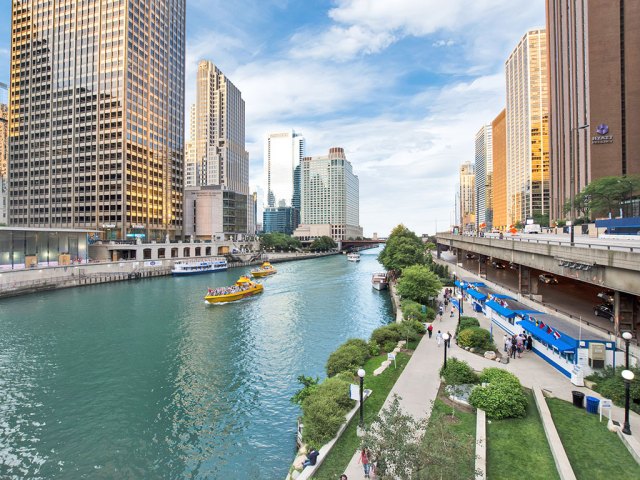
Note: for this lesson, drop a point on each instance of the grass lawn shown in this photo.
(340, 456)
(594, 451)
(517, 447)
(465, 423)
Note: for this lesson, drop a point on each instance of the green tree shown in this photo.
(279, 242)
(309, 384)
(605, 195)
(419, 283)
(323, 243)
(402, 249)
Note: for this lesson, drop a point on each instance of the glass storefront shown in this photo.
(21, 248)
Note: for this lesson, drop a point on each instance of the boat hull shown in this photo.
(260, 274)
(196, 272)
(234, 297)
(380, 285)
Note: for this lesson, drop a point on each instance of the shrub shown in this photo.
(388, 346)
(467, 322)
(502, 399)
(458, 372)
(412, 311)
(374, 349)
(496, 375)
(349, 356)
(388, 333)
(609, 384)
(476, 337)
(323, 411)
(418, 327)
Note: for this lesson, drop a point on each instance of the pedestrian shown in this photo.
(364, 460)
(507, 343)
(312, 458)
(439, 338)
(449, 339)
(513, 347)
(430, 329)
(441, 310)
(343, 477)
(451, 315)
(529, 343)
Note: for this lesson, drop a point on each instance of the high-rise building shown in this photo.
(217, 199)
(279, 219)
(330, 198)
(499, 181)
(527, 128)
(4, 151)
(283, 152)
(484, 176)
(595, 103)
(97, 116)
(467, 197)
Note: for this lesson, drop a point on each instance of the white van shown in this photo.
(532, 228)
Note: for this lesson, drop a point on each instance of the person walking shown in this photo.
(430, 329)
(439, 338)
(513, 347)
(529, 343)
(343, 477)
(507, 343)
(365, 454)
(449, 339)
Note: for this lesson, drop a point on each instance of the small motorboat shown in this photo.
(353, 257)
(243, 288)
(379, 281)
(264, 270)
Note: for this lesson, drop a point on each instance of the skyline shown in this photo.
(403, 93)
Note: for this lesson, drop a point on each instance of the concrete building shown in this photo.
(97, 116)
(527, 120)
(283, 152)
(499, 181)
(484, 177)
(330, 198)
(467, 197)
(4, 152)
(218, 172)
(594, 72)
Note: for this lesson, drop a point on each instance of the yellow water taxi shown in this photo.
(264, 270)
(243, 288)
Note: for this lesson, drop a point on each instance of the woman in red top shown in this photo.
(365, 454)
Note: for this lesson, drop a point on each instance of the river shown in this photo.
(142, 379)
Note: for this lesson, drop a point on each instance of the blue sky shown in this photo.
(402, 85)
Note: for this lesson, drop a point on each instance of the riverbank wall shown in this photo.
(34, 280)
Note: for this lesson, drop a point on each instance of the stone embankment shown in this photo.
(33, 280)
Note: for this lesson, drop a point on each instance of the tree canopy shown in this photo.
(419, 283)
(279, 242)
(605, 195)
(322, 244)
(403, 249)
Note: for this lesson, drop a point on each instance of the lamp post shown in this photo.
(361, 374)
(572, 183)
(445, 337)
(627, 340)
(627, 375)
(454, 281)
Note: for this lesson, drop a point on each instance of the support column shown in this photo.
(524, 280)
(626, 313)
(438, 251)
(482, 266)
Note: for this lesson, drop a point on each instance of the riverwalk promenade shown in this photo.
(419, 382)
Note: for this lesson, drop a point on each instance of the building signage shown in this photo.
(603, 135)
(109, 225)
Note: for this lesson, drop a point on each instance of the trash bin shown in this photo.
(578, 398)
(592, 404)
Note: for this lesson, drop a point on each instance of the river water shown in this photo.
(144, 380)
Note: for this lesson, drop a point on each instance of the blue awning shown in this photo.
(500, 295)
(477, 284)
(505, 312)
(477, 295)
(563, 344)
(460, 284)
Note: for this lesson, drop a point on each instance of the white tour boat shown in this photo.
(194, 268)
(353, 257)
(379, 281)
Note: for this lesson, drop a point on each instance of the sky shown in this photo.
(402, 86)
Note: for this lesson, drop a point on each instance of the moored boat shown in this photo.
(379, 281)
(194, 268)
(353, 257)
(243, 288)
(264, 270)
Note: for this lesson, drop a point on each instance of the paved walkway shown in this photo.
(419, 382)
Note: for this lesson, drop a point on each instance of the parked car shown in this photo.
(470, 256)
(606, 296)
(604, 310)
(513, 266)
(497, 265)
(548, 279)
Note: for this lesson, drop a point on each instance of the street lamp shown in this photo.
(445, 337)
(627, 339)
(627, 375)
(572, 183)
(361, 374)
(454, 281)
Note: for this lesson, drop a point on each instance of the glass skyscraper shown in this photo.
(97, 116)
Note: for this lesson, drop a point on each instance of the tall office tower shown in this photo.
(97, 116)
(330, 197)
(484, 177)
(4, 151)
(499, 181)
(218, 203)
(527, 128)
(283, 152)
(467, 197)
(595, 103)
(190, 150)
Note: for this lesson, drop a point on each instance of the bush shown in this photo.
(609, 384)
(412, 311)
(458, 372)
(502, 399)
(323, 411)
(388, 346)
(467, 322)
(349, 356)
(418, 327)
(497, 375)
(388, 333)
(476, 337)
(374, 349)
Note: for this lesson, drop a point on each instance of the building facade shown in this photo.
(330, 198)
(484, 178)
(97, 116)
(595, 103)
(218, 163)
(499, 180)
(4, 152)
(467, 197)
(283, 152)
(280, 219)
(527, 120)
